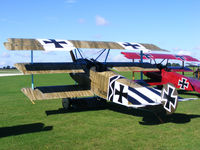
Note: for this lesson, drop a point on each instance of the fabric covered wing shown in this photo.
(132, 55)
(179, 69)
(55, 92)
(44, 68)
(59, 45)
(129, 66)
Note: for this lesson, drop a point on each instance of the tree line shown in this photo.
(8, 67)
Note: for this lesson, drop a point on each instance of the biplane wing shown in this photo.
(132, 55)
(63, 45)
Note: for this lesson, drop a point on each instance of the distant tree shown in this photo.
(176, 64)
(8, 67)
(169, 64)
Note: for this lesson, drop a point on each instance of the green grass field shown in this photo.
(24, 125)
(2, 71)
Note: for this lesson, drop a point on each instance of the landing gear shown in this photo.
(82, 103)
(66, 103)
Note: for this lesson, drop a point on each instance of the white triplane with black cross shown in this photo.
(94, 78)
(138, 97)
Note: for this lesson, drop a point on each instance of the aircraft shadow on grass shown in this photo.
(23, 129)
(149, 118)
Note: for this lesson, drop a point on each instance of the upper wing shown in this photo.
(52, 44)
(131, 55)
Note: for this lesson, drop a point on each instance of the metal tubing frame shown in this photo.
(75, 54)
(183, 65)
(141, 61)
(162, 61)
(32, 78)
(100, 54)
(80, 53)
(107, 55)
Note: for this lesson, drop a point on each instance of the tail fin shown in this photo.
(169, 98)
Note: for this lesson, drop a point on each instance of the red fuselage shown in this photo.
(178, 80)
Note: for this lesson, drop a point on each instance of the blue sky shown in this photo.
(170, 24)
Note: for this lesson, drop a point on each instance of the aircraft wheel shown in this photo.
(66, 102)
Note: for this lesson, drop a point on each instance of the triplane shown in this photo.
(94, 78)
(168, 74)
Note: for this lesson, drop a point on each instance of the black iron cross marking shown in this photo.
(170, 98)
(183, 83)
(135, 46)
(180, 57)
(148, 56)
(57, 44)
(120, 93)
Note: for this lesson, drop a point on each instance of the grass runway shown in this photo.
(45, 125)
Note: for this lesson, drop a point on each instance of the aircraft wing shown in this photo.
(179, 69)
(67, 45)
(131, 55)
(56, 92)
(129, 66)
(44, 68)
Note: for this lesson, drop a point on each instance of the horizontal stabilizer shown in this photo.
(129, 66)
(55, 92)
(67, 45)
(44, 68)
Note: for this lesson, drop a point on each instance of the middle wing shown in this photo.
(129, 66)
(44, 68)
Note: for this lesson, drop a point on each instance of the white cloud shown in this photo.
(97, 36)
(3, 20)
(184, 52)
(5, 55)
(2, 63)
(179, 51)
(81, 20)
(100, 21)
(119, 58)
(197, 48)
(70, 1)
